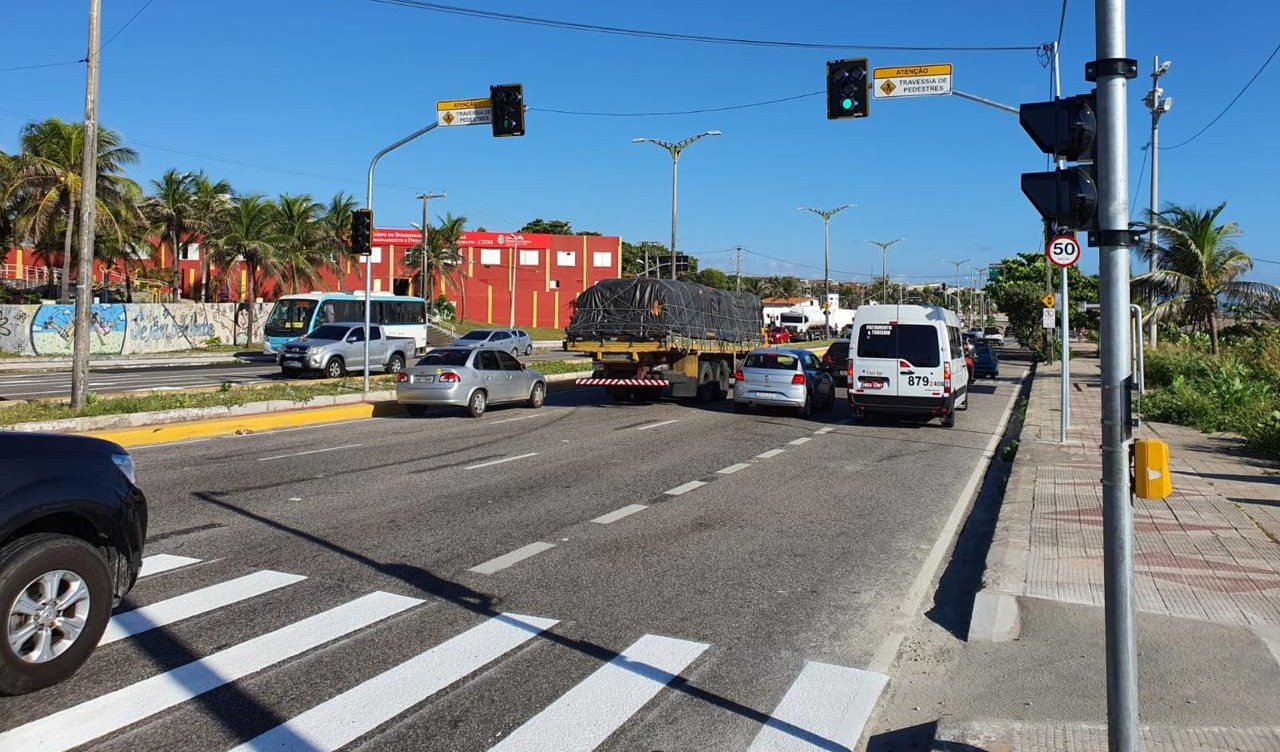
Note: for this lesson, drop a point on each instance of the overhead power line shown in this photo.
(680, 112)
(679, 37)
(132, 18)
(43, 65)
(1229, 104)
(82, 60)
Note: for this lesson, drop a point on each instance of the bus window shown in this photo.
(290, 318)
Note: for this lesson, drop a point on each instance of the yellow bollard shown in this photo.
(1151, 469)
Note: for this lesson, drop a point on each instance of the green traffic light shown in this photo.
(847, 104)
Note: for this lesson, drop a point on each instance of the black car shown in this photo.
(72, 526)
(836, 360)
(985, 360)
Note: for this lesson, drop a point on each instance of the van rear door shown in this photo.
(875, 362)
(920, 359)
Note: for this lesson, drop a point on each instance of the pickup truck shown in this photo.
(334, 349)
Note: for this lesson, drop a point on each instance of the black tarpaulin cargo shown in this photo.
(649, 309)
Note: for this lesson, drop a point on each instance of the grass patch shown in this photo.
(549, 367)
(227, 395)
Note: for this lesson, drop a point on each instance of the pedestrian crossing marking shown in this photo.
(586, 715)
(345, 718)
(825, 705)
(163, 563)
(113, 711)
(197, 602)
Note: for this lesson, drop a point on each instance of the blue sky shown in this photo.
(293, 97)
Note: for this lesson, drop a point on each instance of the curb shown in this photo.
(995, 616)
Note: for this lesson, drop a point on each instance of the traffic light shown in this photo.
(362, 232)
(847, 89)
(1065, 128)
(507, 101)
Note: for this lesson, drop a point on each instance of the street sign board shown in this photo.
(911, 81)
(1048, 300)
(450, 112)
(1063, 250)
(1048, 318)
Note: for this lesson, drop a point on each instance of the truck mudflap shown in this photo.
(621, 382)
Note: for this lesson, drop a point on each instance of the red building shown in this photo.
(537, 276)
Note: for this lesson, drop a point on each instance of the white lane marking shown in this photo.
(884, 656)
(684, 488)
(801, 440)
(499, 462)
(657, 425)
(826, 707)
(311, 451)
(769, 454)
(618, 514)
(163, 563)
(586, 715)
(341, 720)
(197, 602)
(516, 556)
(821, 431)
(512, 420)
(730, 470)
(102, 715)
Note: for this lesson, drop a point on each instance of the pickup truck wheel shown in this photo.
(396, 364)
(537, 395)
(478, 402)
(58, 595)
(335, 368)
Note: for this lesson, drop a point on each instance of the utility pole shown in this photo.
(425, 290)
(88, 203)
(1158, 104)
(826, 215)
(738, 266)
(1112, 71)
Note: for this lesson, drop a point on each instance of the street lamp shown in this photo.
(959, 297)
(674, 150)
(1159, 105)
(826, 215)
(884, 261)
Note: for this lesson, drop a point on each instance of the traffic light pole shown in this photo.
(368, 260)
(1111, 73)
(1065, 399)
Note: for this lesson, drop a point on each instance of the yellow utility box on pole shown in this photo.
(1151, 469)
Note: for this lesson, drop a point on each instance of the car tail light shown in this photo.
(946, 378)
(449, 377)
(798, 378)
(737, 376)
(850, 370)
(826, 358)
(403, 377)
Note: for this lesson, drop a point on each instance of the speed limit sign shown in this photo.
(1063, 250)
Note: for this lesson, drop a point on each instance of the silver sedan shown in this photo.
(783, 377)
(470, 378)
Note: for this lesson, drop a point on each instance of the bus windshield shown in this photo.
(290, 318)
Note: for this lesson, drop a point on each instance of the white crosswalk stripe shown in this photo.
(826, 704)
(358, 711)
(163, 563)
(587, 714)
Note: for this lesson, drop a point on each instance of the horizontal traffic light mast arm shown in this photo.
(984, 100)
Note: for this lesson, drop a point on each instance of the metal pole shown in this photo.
(514, 262)
(826, 275)
(675, 165)
(1064, 413)
(1159, 105)
(1117, 515)
(368, 260)
(984, 100)
(738, 266)
(88, 203)
(426, 280)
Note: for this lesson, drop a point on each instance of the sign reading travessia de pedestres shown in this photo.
(911, 81)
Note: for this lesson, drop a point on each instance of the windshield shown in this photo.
(476, 334)
(445, 358)
(335, 333)
(915, 343)
(289, 318)
(793, 318)
(778, 361)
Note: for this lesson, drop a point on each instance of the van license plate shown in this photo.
(873, 384)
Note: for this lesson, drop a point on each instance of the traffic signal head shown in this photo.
(362, 232)
(1065, 128)
(847, 87)
(1068, 198)
(507, 101)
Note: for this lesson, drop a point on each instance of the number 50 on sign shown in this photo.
(1063, 250)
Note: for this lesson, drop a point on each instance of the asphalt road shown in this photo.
(25, 386)
(588, 575)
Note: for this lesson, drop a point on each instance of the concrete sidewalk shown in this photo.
(1207, 576)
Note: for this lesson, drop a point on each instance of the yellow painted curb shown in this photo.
(167, 432)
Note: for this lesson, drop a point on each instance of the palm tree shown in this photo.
(249, 233)
(298, 251)
(1198, 266)
(126, 238)
(334, 233)
(445, 257)
(209, 202)
(757, 286)
(170, 211)
(48, 174)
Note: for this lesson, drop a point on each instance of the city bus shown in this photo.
(294, 315)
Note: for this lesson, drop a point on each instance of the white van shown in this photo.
(907, 359)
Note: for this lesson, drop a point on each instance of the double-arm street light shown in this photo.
(959, 299)
(884, 260)
(826, 215)
(674, 150)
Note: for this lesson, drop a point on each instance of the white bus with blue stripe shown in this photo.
(294, 315)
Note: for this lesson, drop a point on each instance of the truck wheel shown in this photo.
(537, 395)
(335, 368)
(478, 402)
(58, 597)
(396, 364)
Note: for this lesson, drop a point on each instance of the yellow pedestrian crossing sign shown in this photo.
(1048, 300)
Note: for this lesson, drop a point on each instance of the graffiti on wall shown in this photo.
(126, 328)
